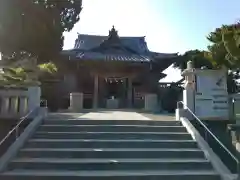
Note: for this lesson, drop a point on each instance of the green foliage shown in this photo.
(197, 57)
(36, 27)
(231, 38)
(216, 57)
(47, 67)
(25, 76)
(224, 50)
(31, 35)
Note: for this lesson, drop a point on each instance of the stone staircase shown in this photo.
(67, 149)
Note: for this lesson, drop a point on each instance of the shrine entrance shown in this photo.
(112, 90)
(115, 87)
(116, 92)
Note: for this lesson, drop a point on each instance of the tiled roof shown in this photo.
(128, 57)
(87, 42)
(114, 48)
(163, 55)
(111, 57)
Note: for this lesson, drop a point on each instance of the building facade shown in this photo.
(111, 67)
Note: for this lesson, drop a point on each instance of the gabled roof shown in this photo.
(113, 47)
(87, 42)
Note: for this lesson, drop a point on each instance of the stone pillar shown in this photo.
(34, 97)
(189, 98)
(13, 105)
(190, 88)
(76, 101)
(151, 102)
(95, 93)
(190, 65)
(23, 105)
(129, 93)
(180, 111)
(5, 105)
(188, 93)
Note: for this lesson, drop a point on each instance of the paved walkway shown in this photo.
(102, 114)
(114, 115)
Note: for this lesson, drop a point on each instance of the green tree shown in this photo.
(205, 59)
(231, 40)
(196, 56)
(34, 29)
(224, 48)
(224, 51)
(25, 72)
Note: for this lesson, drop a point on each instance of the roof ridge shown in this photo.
(94, 35)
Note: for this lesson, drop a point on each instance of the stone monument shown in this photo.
(205, 93)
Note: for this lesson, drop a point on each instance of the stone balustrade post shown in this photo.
(13, 105)
(34, 97)
(23, 105)
(5, 102)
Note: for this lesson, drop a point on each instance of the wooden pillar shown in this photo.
(129, 92)
(101, 91)
(95, 93)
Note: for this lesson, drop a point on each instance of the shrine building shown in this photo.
(111, 68)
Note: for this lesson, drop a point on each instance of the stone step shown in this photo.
(110, 153)
(110, 128)
(111, 122)
(113, 135)
(93, 143)
(110, 150)
(109, 175)
(109, 164)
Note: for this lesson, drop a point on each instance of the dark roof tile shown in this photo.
(111, 57)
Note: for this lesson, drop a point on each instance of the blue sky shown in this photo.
(169, 25)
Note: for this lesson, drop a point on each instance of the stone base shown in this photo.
(151, 102)
(112, 104)
(76, 102)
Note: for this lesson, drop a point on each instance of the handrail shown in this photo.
(16, 128)
(206, 128)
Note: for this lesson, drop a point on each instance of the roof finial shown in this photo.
(113, 32)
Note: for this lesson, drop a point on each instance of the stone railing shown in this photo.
(17, 102)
